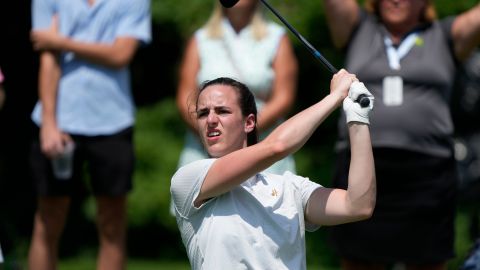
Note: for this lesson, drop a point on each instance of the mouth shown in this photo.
(214, 133)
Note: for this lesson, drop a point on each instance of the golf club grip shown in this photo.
(363, 100)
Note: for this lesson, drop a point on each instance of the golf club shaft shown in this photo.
(307, 44)
(362, 99)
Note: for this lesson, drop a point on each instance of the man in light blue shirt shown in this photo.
(85, 100)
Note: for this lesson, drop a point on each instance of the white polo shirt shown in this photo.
(257, 225)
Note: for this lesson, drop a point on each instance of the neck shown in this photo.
(239, 19)
(397, 33)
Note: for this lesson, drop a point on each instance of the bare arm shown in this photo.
(115, 55)
(51, 138)
(284, 86)
(188, 83)
(231, 170)
(342, 17)
(337, 206)
(466, 32)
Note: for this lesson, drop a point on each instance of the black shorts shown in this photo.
(413, 220)
(109, 161)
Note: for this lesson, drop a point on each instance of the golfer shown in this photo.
(231, 215)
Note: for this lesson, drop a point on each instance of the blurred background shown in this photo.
(153, 238)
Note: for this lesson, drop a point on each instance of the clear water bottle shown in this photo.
(63, 164)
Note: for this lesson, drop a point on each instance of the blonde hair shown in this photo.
(429, 13)
(214, 24)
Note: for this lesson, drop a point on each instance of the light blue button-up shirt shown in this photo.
(93, 99)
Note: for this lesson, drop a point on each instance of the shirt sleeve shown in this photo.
(306, 187)
(186, 184)
(136, 20)
(42, 13)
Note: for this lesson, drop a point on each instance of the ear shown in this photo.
(250, 123)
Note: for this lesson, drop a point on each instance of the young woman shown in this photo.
(232, 214)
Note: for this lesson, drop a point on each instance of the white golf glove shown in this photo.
(353, 111)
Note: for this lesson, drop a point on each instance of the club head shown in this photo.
(228, 3)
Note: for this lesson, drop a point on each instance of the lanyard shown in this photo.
(395, 54)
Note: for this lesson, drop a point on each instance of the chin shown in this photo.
(212, 153)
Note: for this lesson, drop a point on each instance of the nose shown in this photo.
(212, 119)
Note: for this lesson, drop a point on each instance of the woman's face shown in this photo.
(398, 13)
(221, 125)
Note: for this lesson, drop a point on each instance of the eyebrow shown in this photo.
(215, 108)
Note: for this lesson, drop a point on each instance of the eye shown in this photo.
(223, 111)
(202, 113)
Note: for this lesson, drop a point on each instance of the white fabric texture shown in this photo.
(257, 225)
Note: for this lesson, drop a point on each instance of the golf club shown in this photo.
(362, 99)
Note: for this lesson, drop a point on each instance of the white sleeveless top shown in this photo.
(241, 57)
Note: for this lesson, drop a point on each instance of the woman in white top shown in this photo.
(234, 215)
(239, 43)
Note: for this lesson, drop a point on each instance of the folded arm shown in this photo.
(115, 55)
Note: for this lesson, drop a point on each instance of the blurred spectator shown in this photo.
(240, 43)
(2, 90)
(2, 100)
(407, 59)
(473, 260)
(85, 98)
(466, 112)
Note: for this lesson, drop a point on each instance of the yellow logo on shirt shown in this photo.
(274, 192)
(419, 42)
